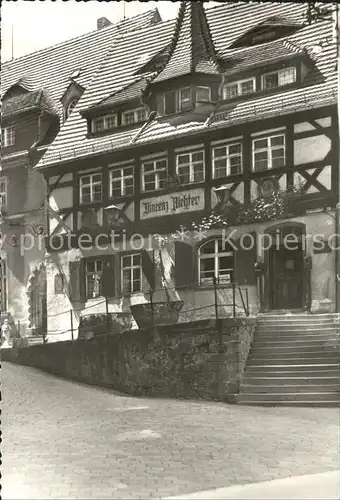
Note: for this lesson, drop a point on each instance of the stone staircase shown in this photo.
(294, 361)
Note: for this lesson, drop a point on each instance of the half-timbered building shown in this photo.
(39, 92)
(218, 132)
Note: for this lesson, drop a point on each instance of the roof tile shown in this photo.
(227, 23)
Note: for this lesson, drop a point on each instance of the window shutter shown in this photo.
(109, 277)
(245, 258)
(148, 268)
(184, 265)
(170, 102)
(77, 281)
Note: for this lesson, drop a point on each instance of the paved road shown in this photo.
(66, 440)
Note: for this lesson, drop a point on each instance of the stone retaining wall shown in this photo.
(200, 360)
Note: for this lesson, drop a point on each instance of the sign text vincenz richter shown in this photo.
(172, 204)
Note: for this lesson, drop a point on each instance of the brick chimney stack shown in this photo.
(102, 22)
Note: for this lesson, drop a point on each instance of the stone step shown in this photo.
(283, 315)
(316, 370)
(274, 361)
(299, 349)
(289, 388)
(292, 327)
(284, 337)
(329, 403)
(290, 397)
(290, 379)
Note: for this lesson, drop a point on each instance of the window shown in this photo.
(91, 188)
(121, 182)
(227, 160)
(133, 116)
(268, 152)
(154, 174)
(3, 193)
(241, 87)
(203, 94)
(184, 99)
(279, 78)
(8, 136)
(215, 260)
(190, 167)
(3, 284)
(107, 122)
(174, 101)
(71, 107)
(94, 278)
(131, 269)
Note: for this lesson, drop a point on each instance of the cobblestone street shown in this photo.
(66, 440)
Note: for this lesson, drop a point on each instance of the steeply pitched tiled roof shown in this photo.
(192, 48)
(51, 68)
(227, 23)
(259, 55)
(26, 102)
(132, 91)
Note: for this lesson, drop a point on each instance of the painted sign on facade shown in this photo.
(172, 204)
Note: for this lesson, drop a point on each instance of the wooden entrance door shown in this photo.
(286, 278)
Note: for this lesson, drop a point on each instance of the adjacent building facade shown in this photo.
(217, 132)
(39, 92)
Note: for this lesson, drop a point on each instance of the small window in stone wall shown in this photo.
(58, 284)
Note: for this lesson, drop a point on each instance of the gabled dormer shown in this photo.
(270, 67)
(269, 30)
(71, 95)
(122, 110)
(189, 77)
(27, 117)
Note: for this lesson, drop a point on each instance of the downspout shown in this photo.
(337, 208)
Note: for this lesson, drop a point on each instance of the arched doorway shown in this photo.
(37, 292)
(285, 266)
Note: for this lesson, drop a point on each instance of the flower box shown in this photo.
(156, 313)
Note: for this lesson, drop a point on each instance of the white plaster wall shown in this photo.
(311, 149)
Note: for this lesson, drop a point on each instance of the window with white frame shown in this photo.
(103, 123)
(241, 87)
(203, 94)
(184, 99)
(190, 166)
(154, 173)
(131, 273)
(121, 182)
(269, 152)
(279, 78)
(227, 160)
(94, 278)
(91, 188)
(3, 193)
(8, 136)
(133, 116)
(3, 281)
(215, 262)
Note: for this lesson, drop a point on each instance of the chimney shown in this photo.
(102, 22)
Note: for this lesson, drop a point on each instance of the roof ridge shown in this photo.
(112, 26)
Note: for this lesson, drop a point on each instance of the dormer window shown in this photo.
(71, 107)
(133, 116)
(185, 100)
(8, 136)
(279, 78)
(203, 94)
(103, 123)
(239, 88)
